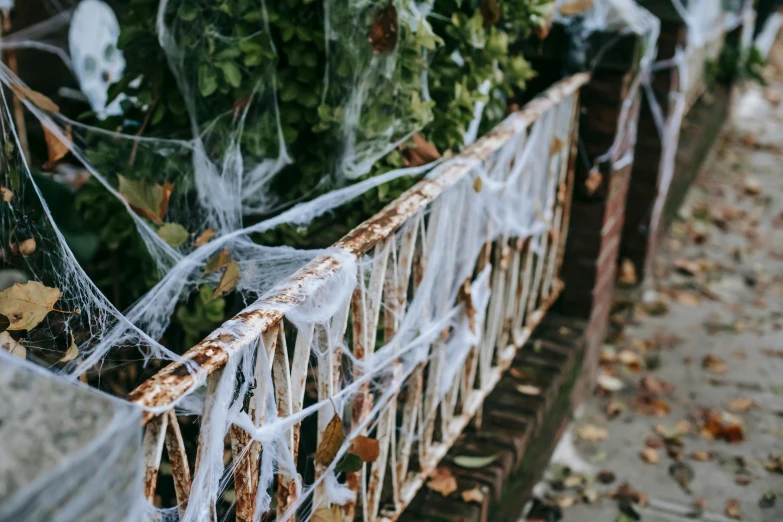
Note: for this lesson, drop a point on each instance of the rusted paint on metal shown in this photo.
(153, 449)
(178, 458)
(171, 383)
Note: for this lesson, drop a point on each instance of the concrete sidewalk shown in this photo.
(689, 408)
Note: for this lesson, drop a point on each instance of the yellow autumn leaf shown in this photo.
(174, 234)
(8, 344)
(332, 441)
(217, 262)
(73, 351)
(228, 280)
(204, 237)
(26, 305)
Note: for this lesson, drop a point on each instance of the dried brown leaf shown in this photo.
(228, 280)
(442, 481)
(626, 274)
(7, 193)
(204, 237)
(591, 432)
(701, 456)
(473, 495)
(365, 448)
(575, 7)
(650, 456)
(713, 363)
(26, 305)
(592, 182)
(217, 262)
(420, 153)
(34, 97)
(733, 509)
(9, 344)
(331, 442)
(56, 148)
(384, 30)
(25, 248)
(741, 404)
(73, 351)
(147, 200)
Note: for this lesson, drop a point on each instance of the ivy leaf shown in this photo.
(55, 148)
(73, 351)
(149, 201)
(217, 262)
(174, 234)
(332, 440)
(470, 462)
(228, 280)
(8, 344)
(204, 237)
(26, 305)
(350, 463)
(207, 80)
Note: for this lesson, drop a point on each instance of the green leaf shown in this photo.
(174, 234)
(158, 114)
(207, 80)
(349, 463)
(187, 12)
(231, 73)
(470, 462)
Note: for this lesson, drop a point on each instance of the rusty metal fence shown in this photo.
(421, 422)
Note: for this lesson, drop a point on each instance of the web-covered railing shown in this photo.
(335, 397)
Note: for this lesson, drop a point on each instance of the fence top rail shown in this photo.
(161, 391)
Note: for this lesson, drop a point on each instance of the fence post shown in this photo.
(607, 129)
(637, 239)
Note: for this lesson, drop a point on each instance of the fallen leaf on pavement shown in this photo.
(713, 363)
(626, 493)
(733, 509)
(650, 456)
(591, 432)
(609, 383)
(701, 456)
(775, 464)
(682, 473)
(741, 404)
(650, 406)
(614, 408)
(654, 385)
